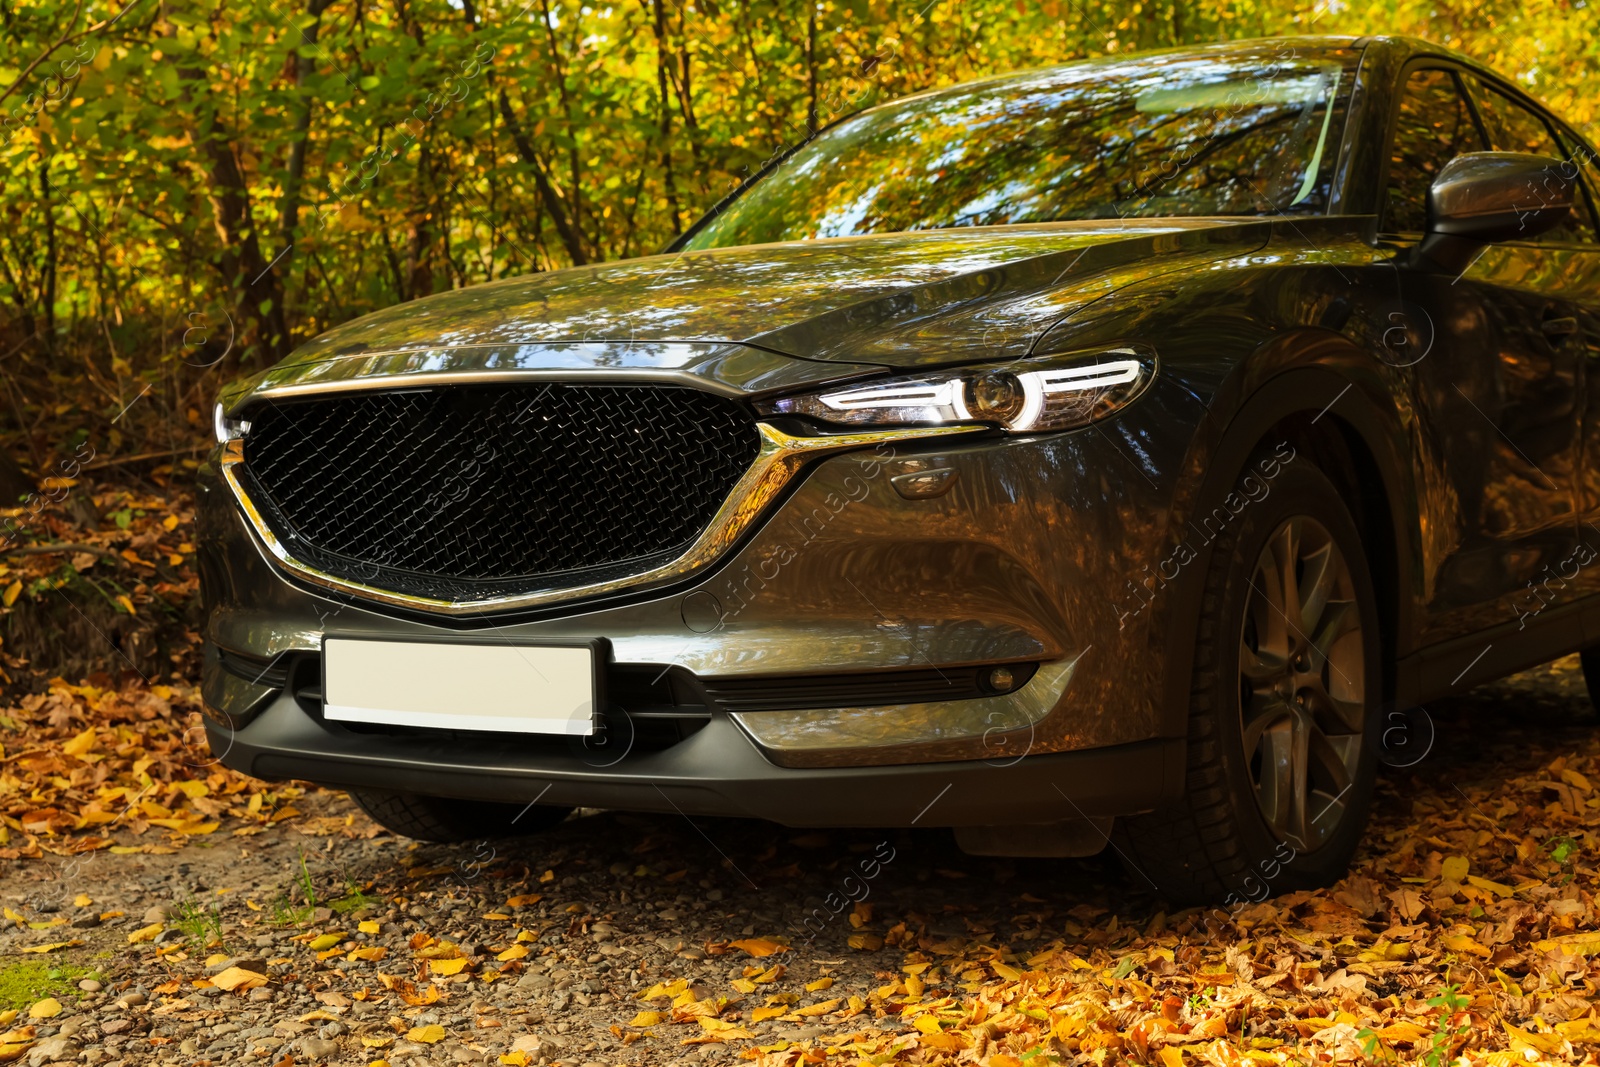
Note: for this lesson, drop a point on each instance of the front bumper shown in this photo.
(716, 771)
(1022, 562)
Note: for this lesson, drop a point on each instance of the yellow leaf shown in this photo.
(524, 900)
(648, 1018)
(127, 605)
(146, 933)
(865, 942)
(497, 916)
(81, 900)
(770, 975)
(328, 940)
(515, 952)
(426, 1035)
(758, 946)
(928, 1024)
(370, 953)
(374, 1041)
(762, 1014)
(80, 743)
(52, 947)
(1010, 974)
(1454, 869)
(1581, 1030)
(819, 985)
(369, 926)
(193, 790)
(1463, 943)
(744, 985)
(48, 1008)
(818, 1009)
(1497, 888)
(515, 1059)
(1171, 1056)
(169, 523)
(1547, 1043)
(446, 967)
(238, 980)
(948, 1042)
(1585, 944)
(13, 591)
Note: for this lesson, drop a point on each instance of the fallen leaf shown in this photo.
(145, 933)
(48, 1008)
(758, 946)
(238, 980)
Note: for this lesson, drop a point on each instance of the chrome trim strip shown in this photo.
(777, 461)
(891, 733)
(429, 379)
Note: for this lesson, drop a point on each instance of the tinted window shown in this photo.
(1184, 134)
(1434, 125)
(1514, 128)
(1580, 154)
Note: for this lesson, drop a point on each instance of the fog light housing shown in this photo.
(1002, 680)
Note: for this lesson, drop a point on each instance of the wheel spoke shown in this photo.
(1319, 577)
(1260, 667)
(1338, 618)
(1330, 760)
(1300, 773)
(1303, 686)
(1285, 548)
(1346, 714)
(1272, 713)
(1275, 787)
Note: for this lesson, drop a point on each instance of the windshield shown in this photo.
(1236, 133)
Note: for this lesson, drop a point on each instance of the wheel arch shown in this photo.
(1341, 417)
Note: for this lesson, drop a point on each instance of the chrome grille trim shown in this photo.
(779, 457)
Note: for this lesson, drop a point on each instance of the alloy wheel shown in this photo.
(1302, 684)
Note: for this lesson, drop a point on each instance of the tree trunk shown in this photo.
(671, 188)
(811, 72)
(258, 295)
(552, 202)
(294, 177)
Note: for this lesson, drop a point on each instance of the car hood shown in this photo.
(851, 304)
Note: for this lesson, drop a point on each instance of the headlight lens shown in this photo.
(227, 429)
(1021, 396)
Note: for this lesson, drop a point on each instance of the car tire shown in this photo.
(448, 820)
(1280, 759)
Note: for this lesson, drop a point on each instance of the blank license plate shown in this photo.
(525, 689)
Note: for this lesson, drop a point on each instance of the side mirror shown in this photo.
(1482, 197)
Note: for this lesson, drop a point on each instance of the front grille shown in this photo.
(470, 492)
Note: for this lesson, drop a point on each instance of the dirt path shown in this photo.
(538, 950)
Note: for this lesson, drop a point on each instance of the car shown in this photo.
(1114, 455)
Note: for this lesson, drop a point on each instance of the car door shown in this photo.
(1569, 258)
(1496, 386)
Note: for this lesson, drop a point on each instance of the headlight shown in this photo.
(228, 429)
(1021, 396)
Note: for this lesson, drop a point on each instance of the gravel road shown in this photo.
(536, 951)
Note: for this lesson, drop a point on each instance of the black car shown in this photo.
(1116, 452)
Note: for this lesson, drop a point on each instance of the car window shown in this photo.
(1512, 127)
(1214, 134)
(1433, 126)
(1583, 156)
